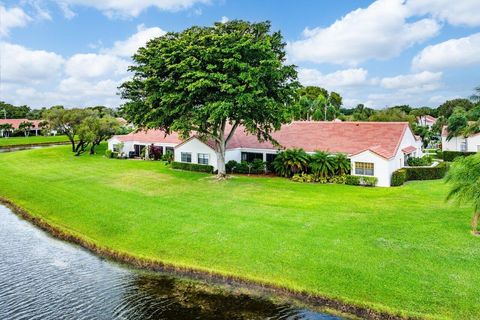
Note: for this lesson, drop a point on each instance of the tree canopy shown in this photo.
(211, 80)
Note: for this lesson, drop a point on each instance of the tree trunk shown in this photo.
(475, 219)
(221, 173)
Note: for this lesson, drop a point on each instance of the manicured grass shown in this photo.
(17, 141)
(403, 250)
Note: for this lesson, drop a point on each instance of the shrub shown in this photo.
(451, 155)
(303, 177)
(368, 181)
(192, 167)
(108, 153)
(168, 157)
(430, 173)
(341, 179)
(257, 166)
(352, 180)
(399, 177)
(115, 155)
(230, 166)
(419, 162)
(154, 152)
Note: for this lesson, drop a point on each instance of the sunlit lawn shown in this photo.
(13, 141)
(403, 250)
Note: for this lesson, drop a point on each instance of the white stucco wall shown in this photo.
(382, 167)
(195, 146)
(236, 154)
(129, 145)
(473, 143)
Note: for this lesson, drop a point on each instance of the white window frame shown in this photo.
(360, 169)
(189, 154)
(203, 156)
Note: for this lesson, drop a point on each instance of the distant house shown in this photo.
(16, 123)
(426, 120)
(462, 144)
(374, 148)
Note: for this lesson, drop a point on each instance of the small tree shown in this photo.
(290, 162)
(94, 130)
(6, 129)
(212, 80)
(44, 126)
(68, 121)
(322, 164)
(464, 177)
(26, 127)
(342, 164)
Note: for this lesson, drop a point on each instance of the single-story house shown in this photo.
(426, 120)
(16, 124)
(462, 144)
(374, 148)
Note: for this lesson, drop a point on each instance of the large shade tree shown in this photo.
(211, 80)
(464, 178)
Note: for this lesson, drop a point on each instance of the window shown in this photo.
(169, 149)
(203, 158)
(463, 146)
(250, 156)
(271, 157)
(364, 168)
(116, 147)
(186, 157)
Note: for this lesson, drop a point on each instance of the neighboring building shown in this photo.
(426, 120)
(462, 144)
(135, 142)
(16, 123)
(374, 148)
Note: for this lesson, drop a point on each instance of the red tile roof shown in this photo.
(382, 138)
(409, 149)
(151, 136)
(16, 122)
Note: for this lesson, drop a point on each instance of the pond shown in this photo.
(45, 278)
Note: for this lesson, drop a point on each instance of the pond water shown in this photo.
(28, 147)
(45, 278)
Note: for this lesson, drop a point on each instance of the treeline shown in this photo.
(10, 111)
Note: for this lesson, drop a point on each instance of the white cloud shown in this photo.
(127, 48)
(20, 64)
(453, 53)
(334, 80)
(380, 31)
(460, 12)
(423, 81)
(12, 18)
(224, 19)
(91, 65)
(129, 8)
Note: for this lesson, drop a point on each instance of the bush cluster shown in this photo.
(257, 166)
(451, 155)
(309, 178)
(420, 162)
(192, 167)
(400, 176)
(361, 181)
(108, 153)
(168, 157)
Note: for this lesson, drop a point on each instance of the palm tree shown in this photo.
(464, 176)
(476, 96)
(6, 128)
(343, 163)
(323, 164)
(290, 162)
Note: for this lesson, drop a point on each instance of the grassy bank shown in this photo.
(402, 250)
(32, 140)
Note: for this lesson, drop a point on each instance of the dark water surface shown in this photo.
(45, 278)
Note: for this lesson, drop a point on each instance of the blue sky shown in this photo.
(380, 53)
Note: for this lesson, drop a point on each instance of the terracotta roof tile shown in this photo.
(16, 122)
(151, 136)
(409, 149)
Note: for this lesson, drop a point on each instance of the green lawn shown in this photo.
(402, 250)
(14, 141)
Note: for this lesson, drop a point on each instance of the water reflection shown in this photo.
(43, 278)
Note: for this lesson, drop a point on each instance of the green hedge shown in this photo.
(429, 173)
(451, 155)
(192, 167)
(399, 177)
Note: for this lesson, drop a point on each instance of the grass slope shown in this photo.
(17, 141)
(402, 250)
